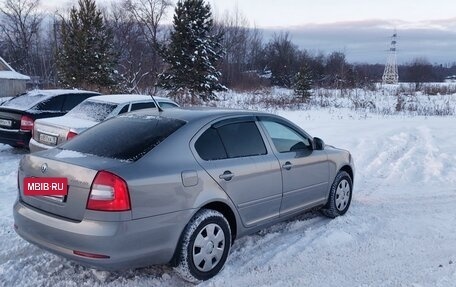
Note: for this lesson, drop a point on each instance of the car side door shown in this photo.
(234, 154)
(305, 171)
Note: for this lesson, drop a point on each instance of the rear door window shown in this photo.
(167, 105)
(242, 139)
(140, 106)
(124, 138)
(231, 140)
(124, 109)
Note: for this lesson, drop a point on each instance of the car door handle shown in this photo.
(227, 175)
(287, 165)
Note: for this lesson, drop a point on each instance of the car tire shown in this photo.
(204, 246)
(340, 196)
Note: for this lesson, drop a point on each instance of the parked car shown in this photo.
(48, 133)
(178, 187)
(18, 114)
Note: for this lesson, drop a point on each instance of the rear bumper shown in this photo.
(36, 146)
(129, 244)
(15, 137)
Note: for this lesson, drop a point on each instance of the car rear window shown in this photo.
(25, 101)
(92, 110)
(124, 138)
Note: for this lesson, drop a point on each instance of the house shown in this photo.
(11, 82)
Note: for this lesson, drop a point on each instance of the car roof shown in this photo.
(199, 113)
(44, 95)
(125, 98)
(56, 92)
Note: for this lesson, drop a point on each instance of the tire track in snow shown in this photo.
(397, 158)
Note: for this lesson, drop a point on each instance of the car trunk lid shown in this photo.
(54, 131)
(10, 119)
(78, 168)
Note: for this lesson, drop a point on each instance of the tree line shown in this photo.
(126, 47)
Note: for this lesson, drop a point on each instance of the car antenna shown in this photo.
(156, 104)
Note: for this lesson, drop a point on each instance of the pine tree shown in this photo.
(86, 58)
(303, 82)
(193, 52)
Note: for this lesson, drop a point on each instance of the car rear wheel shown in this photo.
(204, 246)
(340, 195)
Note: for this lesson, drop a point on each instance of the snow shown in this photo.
(399, 231)
(69, 154)
(7, 72)
(120, 99)
(4, 99)
(11, 75)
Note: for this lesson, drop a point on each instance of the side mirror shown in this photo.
(319, 143)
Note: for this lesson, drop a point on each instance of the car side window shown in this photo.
(52, 104)
(72, 100)
(124, 109)
(232, 140)
(286, 139)
(167, 105)
(209, 145)
(139, 106)
(242, 139)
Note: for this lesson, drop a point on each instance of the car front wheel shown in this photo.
(340, 195)
(204, 246)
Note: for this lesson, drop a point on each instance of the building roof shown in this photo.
(7, 72)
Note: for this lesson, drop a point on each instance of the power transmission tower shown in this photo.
(391, 75)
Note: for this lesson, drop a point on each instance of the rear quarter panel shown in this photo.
(156, 182)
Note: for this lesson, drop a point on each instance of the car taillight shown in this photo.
(108, 192)
(26, 123)
(71, 135)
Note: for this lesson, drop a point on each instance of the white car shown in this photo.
(50, 132)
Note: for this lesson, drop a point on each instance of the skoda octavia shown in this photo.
(177, 187)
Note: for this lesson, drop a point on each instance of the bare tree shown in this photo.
(135, 60)
(244, 51)
(339, 73)
(19, 28)
(149, 15)
(234, 27)
(283, 59)
(419, 71)
(255, 50)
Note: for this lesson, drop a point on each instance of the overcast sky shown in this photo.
(360, 28)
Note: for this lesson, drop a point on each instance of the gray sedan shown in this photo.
(177, 187)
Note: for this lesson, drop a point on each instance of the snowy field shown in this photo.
(399, 231)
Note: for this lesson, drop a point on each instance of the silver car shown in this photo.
(49, 132)
(178, 187)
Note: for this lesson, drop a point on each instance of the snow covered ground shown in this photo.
(399, 231)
